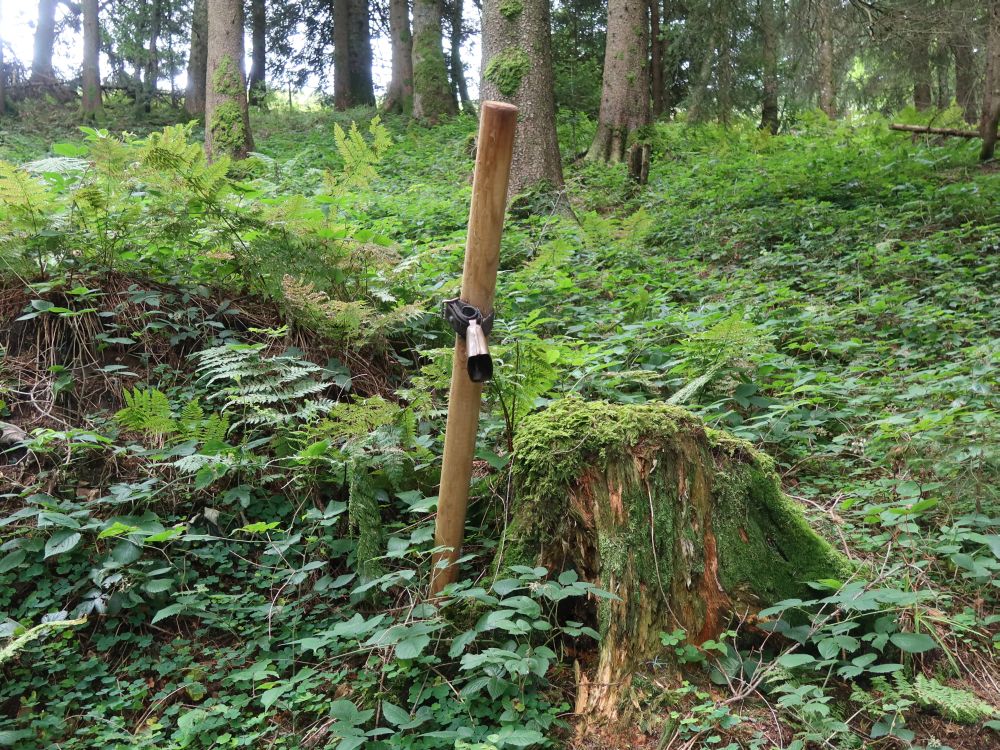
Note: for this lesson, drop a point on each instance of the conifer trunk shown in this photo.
(769, 55)
(399, 94)
(258, 52)
(517, 68)
(965, 78)
(688, 528)
(92, 103)
(991, 94)
(432, 99)
(655, 58)
(45, 39)
(194, 96)
(227, 121)
(457, 68)
(625, 86)
(920, 63)
(359, 55)
(827, 85)
(152, 67)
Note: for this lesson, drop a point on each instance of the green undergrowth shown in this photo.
(233, 381)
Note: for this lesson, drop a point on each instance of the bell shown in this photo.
(480, 363)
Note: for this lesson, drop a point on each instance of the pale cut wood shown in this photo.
(494, 151)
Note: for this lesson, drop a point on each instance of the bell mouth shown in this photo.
(480, 368)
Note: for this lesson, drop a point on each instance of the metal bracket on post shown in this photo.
(468, 321)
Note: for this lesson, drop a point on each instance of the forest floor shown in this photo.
(233, 389)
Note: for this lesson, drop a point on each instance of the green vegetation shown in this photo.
(233, 378)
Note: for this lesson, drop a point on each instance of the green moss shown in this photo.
(430, 77)
(511, 9)
(507, 70)
(227, 124)
(670, 476)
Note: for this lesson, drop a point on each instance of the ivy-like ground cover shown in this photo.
(250, 536)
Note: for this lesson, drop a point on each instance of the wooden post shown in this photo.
(479, 277)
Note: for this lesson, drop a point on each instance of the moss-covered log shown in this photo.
(686, 525)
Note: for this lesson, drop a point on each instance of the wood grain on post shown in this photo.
(479, 277)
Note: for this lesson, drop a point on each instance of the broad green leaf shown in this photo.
(61, 542)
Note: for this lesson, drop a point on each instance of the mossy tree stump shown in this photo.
(686, 525)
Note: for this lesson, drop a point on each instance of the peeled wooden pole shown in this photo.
(479, 277)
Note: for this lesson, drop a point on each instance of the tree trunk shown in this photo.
(517, 68)
(152, 71)
(399, 94)
(920, 63)
(194, 96)
(258, 51)
(227, 122)
(725, 78)
(698, 106)
(359, 54)
(991, 93)
(3, 73)
(965, 78)
(827, 85)
(341, 54)
(432, 97)
(687, 527)
(625, 86)
(92, 103)
(45, 39)
(769, 67)
(457, 68)
(655, 58)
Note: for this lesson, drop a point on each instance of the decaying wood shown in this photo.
(686, 526)
(927, 129)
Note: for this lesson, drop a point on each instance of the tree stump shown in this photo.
(686, 525)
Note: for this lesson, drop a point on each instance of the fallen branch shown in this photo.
(955, 132)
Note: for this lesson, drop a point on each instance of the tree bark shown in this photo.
(194, 96)
(697, 107)
(655, 58)
(3, 74)
(258, 52)
(725, 78)
(965, 78)
(152, 68)
(956, 132)
(457, 68)
(341, 54)
(399, 94)
(920, 64)
(432, 99)
(827, 84)
(45, 38)
(227, 121)
(92, 103)
(517, 68)
(991, 94)
(359, 53)
(625, 86)
(687, 527)
(769, 67)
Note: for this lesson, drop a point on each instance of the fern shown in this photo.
(956, 705)
(263, 390)
(365, 519)
(147, 411)
(360, 157)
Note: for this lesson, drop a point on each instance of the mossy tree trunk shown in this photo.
(517, 68)
(687, 526)
(991, 93)
(227, 121)
(399, 94)
(92, 102)
(432, 99)
(194, 96)
(625, 86)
